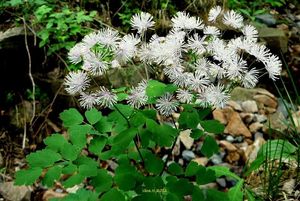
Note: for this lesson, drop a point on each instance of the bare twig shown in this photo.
(24, 136)
(29, 71)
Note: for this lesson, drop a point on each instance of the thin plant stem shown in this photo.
(29, 71)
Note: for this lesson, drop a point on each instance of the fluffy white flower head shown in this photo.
(214, 13)
(76, 82)
(141, 22)
(183, 21)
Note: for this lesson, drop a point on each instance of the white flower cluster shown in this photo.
(217, 61)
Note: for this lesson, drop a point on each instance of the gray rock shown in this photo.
(267, 19)
(239, 139)
(221, 182)
(14, 193)
(188, 155)
(216, 159)
(258, 135)
(284, 107)
(275, 38)
(260, 118)
(229, 138)
(249, 106)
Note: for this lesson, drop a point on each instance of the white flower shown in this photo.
(76, 82)
(250, 32)
(211, 30)
(127, 47)
(250, 79)
(108, 37)
(115, 64)
(95, 64)
(201, 67)
(214, 13)
(233, 19)
(198, 82)
(76, 53)
(197, 44)
(184, 96)
(138, 97)
(183, 21)
(90, 40)
(273, 66)
(141, 22)
(215, 96)
(259, 51)
(235, 68)
(88, 100)
(106, 98)
(182, 79)
(166, 104)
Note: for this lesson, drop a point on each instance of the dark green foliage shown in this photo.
(138, 173)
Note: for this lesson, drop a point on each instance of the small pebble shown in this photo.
(258, 135)
(188, 155)
(239, 139)
(216, 159)
(221, 182)
(260, 118)
(229, 138)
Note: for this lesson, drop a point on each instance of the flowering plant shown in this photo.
(118, 157)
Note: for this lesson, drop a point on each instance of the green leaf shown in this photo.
(175, 169)
(198, 194)
(155, 88)
(223, 171)
(125, 177)
(28, 177)
(236, 193)
(78, 134)
(52, 174)
(203, 112)
(191, 169)
(103, 125)
(148, 196)
(71, 117)
(137, 120)
(153, 183)
(205, 176)
(97, 144)
(93, 116)
(102, 182)
(163, 135)
(55, 142)
(197, 133)
(153, 164)
(43, 158)
(209, 146)
(70, 168)
(181, 187)
(84, 160)
(87, 170)
(189, 119)
(276, 149)
(70, 152)
(123, 139)
(249, 195)
(112, 195)
(212, 194)
(212, 126)
(73, 180)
